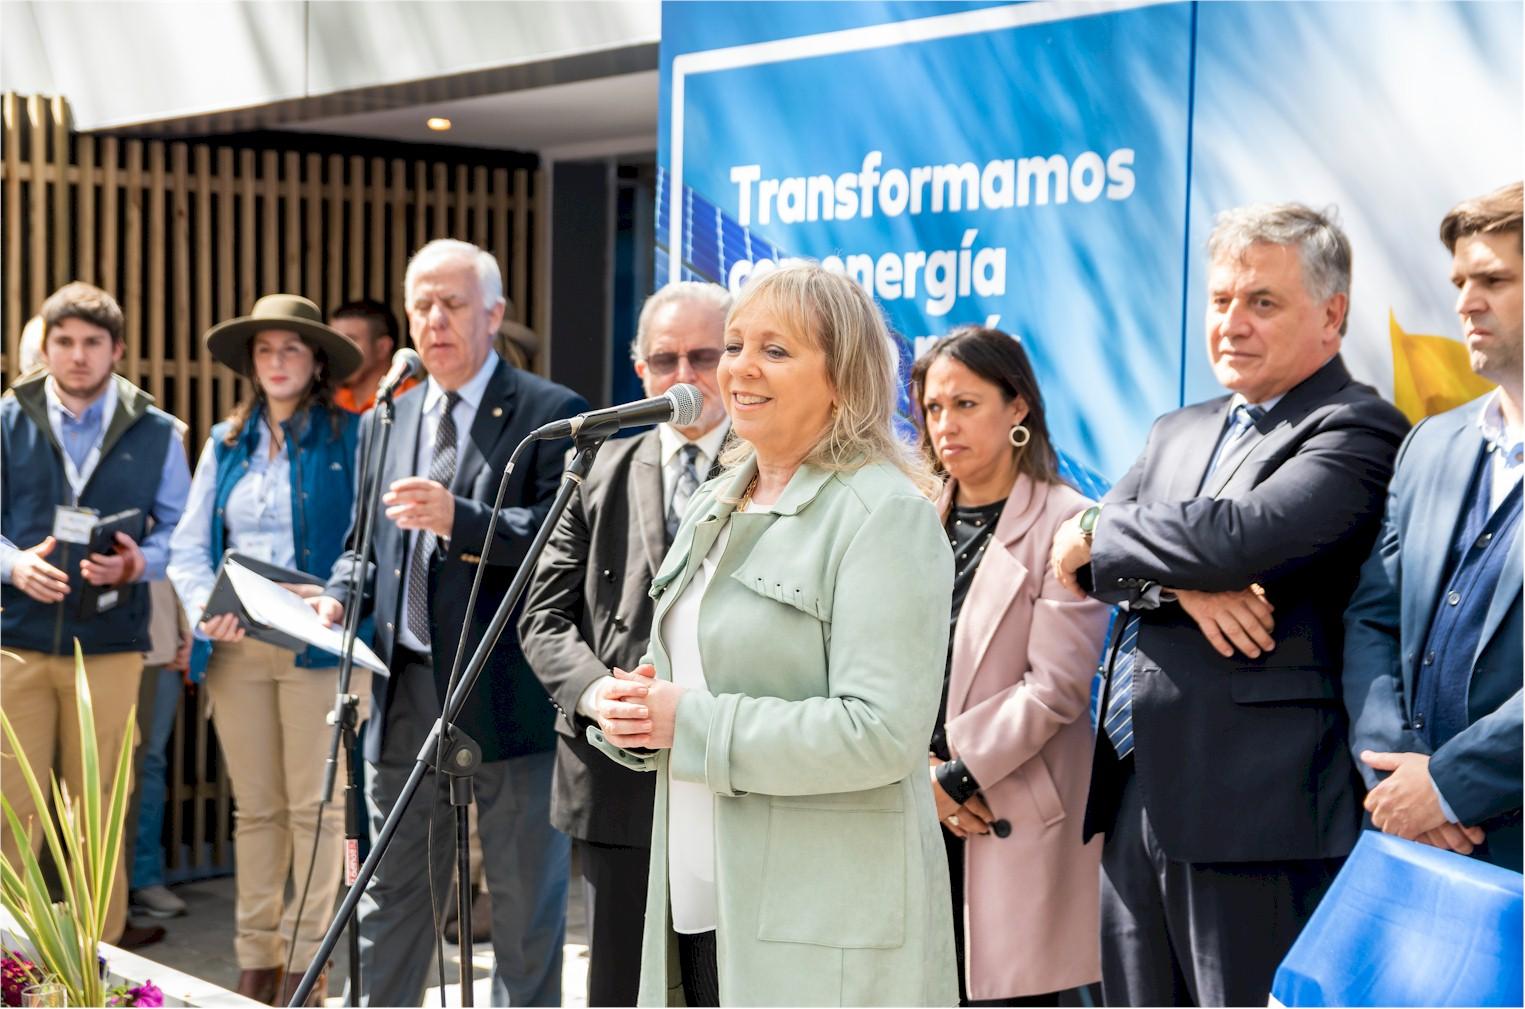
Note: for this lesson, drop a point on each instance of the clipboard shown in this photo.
(97, 599)
(224, 597)
(268, 608)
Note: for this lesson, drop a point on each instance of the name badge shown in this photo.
(107, 600)
(73, 525)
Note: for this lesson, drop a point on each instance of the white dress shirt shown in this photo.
(465, 415)
(1505, 446)
(256, 521)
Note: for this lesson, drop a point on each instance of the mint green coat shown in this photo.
(824, 634)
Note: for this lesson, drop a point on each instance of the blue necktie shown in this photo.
(1118, 722)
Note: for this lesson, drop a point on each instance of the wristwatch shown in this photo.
(1088, 522)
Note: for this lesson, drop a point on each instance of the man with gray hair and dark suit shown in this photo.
(1221, 776)
(453, 436)
(588, 611)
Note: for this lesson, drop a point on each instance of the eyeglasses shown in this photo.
(704, 359)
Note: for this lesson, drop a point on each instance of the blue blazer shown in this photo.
(1478, 770)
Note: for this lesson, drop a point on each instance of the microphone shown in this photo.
(406, 364)
(680, 405)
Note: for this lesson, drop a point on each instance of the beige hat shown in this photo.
(229, 342)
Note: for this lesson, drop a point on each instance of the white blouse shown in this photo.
(691, 805)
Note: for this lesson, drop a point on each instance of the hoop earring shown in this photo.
(1019, 435)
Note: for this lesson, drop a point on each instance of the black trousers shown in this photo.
(1196, 933)
(700, 968)
(614, 883)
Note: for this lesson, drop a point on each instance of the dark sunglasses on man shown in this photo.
(704, 359)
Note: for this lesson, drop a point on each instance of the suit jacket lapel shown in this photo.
(1505, 593)
(1431, 534)
(996, 584)
(492, 416)
(1192, 449)
(646, 492)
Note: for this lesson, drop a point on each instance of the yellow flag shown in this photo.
(1431, 374)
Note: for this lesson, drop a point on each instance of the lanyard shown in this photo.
(78, 476)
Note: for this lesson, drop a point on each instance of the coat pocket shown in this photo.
(834, 877)
(1041, 788)
(1282, 684)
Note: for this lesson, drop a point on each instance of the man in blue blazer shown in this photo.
(1432, 636)
(452, 439)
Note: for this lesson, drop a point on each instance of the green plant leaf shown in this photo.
(86, 844)
(39, 801)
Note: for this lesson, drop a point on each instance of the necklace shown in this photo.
(746, 496)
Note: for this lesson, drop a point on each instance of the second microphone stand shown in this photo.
(346, 714)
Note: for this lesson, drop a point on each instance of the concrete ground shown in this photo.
(201, 944)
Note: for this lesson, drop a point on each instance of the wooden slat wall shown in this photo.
(186, 235)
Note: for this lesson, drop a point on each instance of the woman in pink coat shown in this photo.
(1011, 752)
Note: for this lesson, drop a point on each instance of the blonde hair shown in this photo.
(833, 313)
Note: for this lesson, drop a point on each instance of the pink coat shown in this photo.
(1024, 654)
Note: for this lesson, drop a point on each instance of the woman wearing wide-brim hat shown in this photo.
(276, 481)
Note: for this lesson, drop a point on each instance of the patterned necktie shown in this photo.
(441, 471)
(1118, 722)
(688, 482)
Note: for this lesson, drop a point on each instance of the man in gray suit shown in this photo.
(1432, 636)
(588, 611)
(1221, 776)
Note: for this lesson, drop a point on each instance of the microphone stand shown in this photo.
(345, 716)
(460, 751)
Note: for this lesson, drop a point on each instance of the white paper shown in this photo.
(282, 609)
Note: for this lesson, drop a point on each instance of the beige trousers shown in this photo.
(271, 719)
(37, 693)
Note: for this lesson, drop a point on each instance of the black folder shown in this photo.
(225, 600)
(94, 599)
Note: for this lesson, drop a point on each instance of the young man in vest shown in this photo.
(80, 443)
(1432, 636)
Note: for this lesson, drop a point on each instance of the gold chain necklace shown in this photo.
(746, 497)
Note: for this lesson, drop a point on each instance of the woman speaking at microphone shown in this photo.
(276, 482)
(796, 656)
(1011, 753)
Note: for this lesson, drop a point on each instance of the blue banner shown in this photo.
(1051, 168)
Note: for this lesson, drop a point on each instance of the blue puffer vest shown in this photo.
(322, 495)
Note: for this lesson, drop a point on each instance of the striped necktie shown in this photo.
(1118, 721)
(441, 471)
(683, 490)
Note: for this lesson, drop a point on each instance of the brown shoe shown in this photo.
(260, 984)
(314, 997)
(138, 936)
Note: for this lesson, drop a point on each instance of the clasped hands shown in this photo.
(635, 710)
(973, 817)
(33, 575)
(1406, 804)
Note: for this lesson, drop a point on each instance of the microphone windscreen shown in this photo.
(415, 364)
(687, 404)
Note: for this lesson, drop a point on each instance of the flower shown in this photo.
(146, 995)
(17, 973)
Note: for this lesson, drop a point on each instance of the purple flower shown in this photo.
(147, 995)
